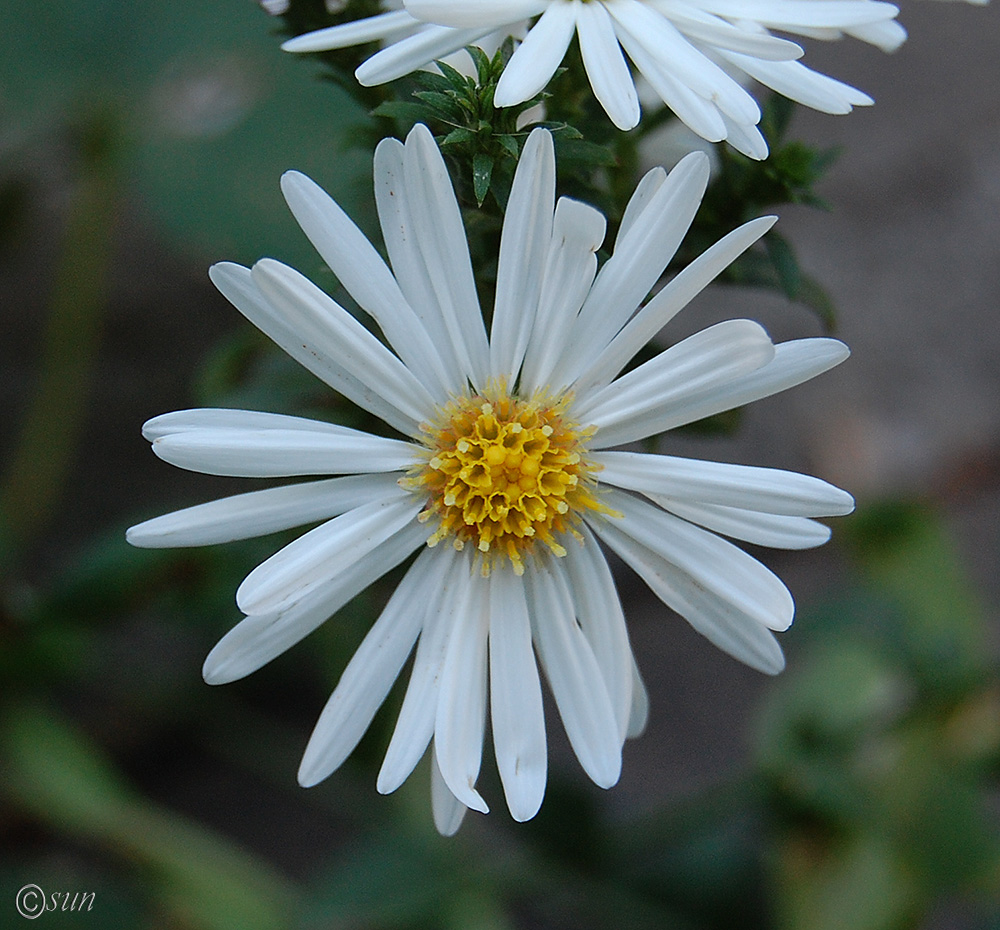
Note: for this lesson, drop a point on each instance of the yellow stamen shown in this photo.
(506, 474)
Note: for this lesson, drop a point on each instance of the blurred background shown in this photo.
(141, 142)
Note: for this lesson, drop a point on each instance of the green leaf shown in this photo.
(907, 553)
(482, 62)
(455, 78)
(56, 775)
(776, 118)
(580, 153)
(939, 811)
(432, 80)
(813, 295)
(390, 877)
(509, 144)
(459, 136)
(785, 264)
(857, 882)
(759, 268)
(820, 722)
(482, 171)
(406, 111)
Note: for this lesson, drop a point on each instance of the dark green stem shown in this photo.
(34, 477)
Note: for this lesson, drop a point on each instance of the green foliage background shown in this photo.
(867, 800)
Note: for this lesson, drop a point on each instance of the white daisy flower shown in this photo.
(507, 476)
(694, 53)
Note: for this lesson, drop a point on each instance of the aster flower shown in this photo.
(506, 477)
(694, 53)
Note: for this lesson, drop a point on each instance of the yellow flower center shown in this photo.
(505, 474)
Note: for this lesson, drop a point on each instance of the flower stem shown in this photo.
(35, 475)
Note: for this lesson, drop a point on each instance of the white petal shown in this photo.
(769, 490)
(716, 566)
(516, 698)
(648, 399)
(404, 56)
(448, 811)
(643, 26)
(256, 640)
(712, 31)
(258, 513)
(322, 322)
(471, 13)
(461, 702)
(527, 231)
(762, 529)
(746, 138)
(369, 29)
(440, 236)
(574, 675)
(803, 85)
(236, 283)
(720, 622)
(627, 277)
(640, 200)
(789, 14)
(279, 453)
(392, 198)
(887, 36)
(183, 421)
(535, 60)
(570, 265)
(353, 259)
(670, 300)
(639, 713)
(605, 65)
(415, 723)
(794, 362)
(698, 113)
(602, 620)
(330, 548)
(370, 674)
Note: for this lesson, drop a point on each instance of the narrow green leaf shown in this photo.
(402, 110)
(482, 171)
(445, 104)
(786, 265)
(509, 144)
(482, 63)
(582, 153)
(458, 136)
(813, 295)
(57, 775)
(455, 78)
(429, 80)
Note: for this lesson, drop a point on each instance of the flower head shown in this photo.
(694, 53)
(506, 477)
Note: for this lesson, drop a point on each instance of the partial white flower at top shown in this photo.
(506, 477)
(688, 50)
(409, 43)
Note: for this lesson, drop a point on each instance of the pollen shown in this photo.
(506, 475)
